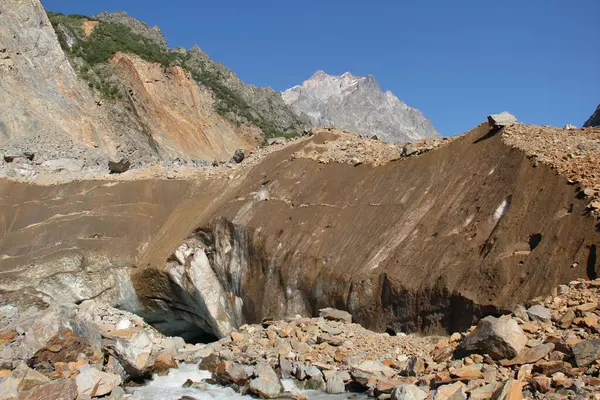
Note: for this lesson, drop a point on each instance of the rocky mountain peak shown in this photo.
(137, 26)
(357, 103)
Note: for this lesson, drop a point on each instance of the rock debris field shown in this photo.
(548, 349)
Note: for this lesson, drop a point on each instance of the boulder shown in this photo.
(512, 390)
(530, 355)
(453, 391)
(164, 362)
(120, 166)
(228, 372)
(586, 352)
(94, 383)
(238, 156)
(30, 378)
(335, 315)
(286, 367)
(408, 392)
(539, 313)
(502, 119)
(133, 348)
(498, 337)
(335, 384)
(409, 149)
(266, 384)
(373, 367)
(55, 390)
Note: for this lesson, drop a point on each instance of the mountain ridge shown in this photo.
(357, 103)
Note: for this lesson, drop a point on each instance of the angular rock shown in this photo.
(453, 391)
(335, 384)
(472, 371)
(266, 384)
(498, 337)
(512, 390)
(209, 363)
(502, 119)
(229, 372)
(530, 355)
(567, 319)
(539, 313)
(416, 366)
(133, 348)
(286, 367)
(484, 392)
(409, 150)
(9, 387)
(335, 315)
(238, 156)
(374, 368)
(120, 166)
(55, 390)
(586, 352)
(30, 378)
(164, 362)
(94, 383)
(408, 392)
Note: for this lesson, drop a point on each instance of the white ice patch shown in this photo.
(123, 324)
(470, 219)
(502, 210)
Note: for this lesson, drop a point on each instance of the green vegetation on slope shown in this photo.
(108, 38)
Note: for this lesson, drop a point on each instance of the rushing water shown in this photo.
(169, 387)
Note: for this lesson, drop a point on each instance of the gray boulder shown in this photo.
(539, 313)
(335, 384)
(586, 352)
(238, 156)
(266, 384)
(498, 337)
(408, 392)
(501, 120)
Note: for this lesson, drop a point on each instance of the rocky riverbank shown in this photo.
(551, 349)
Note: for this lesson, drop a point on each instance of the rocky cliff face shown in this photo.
(358, 104)
(594, 120)
(83, 90)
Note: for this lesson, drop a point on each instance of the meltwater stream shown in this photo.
(170, 387)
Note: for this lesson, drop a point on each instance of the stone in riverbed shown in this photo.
(335, 384)
(408, 392)
(228, 372)
(266, 384)
(94, 383)
(498, 337)
(586, 352)
(133, 348)
(335, 315)
(164, 362)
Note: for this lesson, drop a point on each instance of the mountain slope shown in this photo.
(82, 90)
(358, 104)
(594, 120)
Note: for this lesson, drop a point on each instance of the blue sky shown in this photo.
(456, 61)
